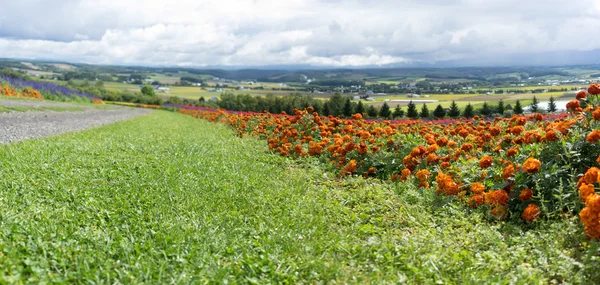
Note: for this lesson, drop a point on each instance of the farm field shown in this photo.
(167, 198)
(462, 100)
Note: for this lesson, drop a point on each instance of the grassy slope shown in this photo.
(166, 198)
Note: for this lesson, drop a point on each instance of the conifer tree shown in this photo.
(439, 112)
(424, 112)
(469, 112)
(518, 108)
(411, 111)
(360, 108)
(534, 108)
(385, 111)
(398, 113)
(454, 110)
(551, 105)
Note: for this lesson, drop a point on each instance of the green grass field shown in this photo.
(167, 198)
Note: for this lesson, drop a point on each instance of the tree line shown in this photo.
(341, 106)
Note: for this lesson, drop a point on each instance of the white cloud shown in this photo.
(322, 33)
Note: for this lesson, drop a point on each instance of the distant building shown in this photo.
(163, 89)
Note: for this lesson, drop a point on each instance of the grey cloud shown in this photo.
(263, 32)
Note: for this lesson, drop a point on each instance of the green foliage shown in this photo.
(534, 108)
(336, 105)
(348, 110)
(485, 109)
(551, 105)
(439, 112)
(372, 112)
(518, 108)
(398, 112)
(148, 90)
(469, 112)
(424, 114)
(385, 111)
(411, 111)
(454, 110)
(500, 107)
(360, 108)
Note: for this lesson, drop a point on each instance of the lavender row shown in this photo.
(45, 87)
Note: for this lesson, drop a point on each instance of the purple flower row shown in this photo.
(45, 87)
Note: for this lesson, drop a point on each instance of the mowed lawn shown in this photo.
(167, 198)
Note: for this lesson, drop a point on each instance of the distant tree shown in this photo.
(411, 111)
(424, 114)
(360, 108)
(336, 105)
(371, 111)
(500, 107)
(551, 105)
(325, 111)
(398, 112)
(469, 111)
(439, 112)
(385, 111)
(485, 110)
(99, 84)
(148, 91)
(534, 108)
(508, 107)
(518, 108)
(454, 110)
(348, 110)
(175, 100)
(202, 100)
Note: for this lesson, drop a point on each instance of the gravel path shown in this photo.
(18, 126)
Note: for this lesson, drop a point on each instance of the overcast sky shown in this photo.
(294, 32)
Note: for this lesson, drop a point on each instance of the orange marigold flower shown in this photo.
(496, 197)
(585, 190)
(512, 152)
(525, 194)
(531, 213)
(591, 175)
(357, 116)
(423, 175)
(531, 165)
(475, 201)
(499, 212)
(405, 174)
(594, 89)
(485, 162)
(508, 172)
(593, 137)
(350, 167)
(596, 114)
(551, 136)
(477, 188)
(581, 95)
(446, 184)
(573, 105)
(444, 165)
(466, 147)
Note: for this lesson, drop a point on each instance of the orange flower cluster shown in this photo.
(531, 165)
(531, 213)
(6, 90)
(504, 153)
